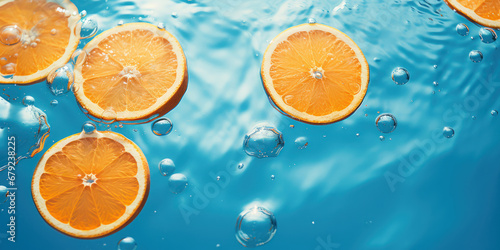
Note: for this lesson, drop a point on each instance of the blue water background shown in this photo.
(443, 193)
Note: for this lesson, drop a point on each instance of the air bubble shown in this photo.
(382, 138)
(89, 28)
(54, 103)
(448, 132)
(476, 56)
(161, 26)
(400, 76)
(386, 123)
(241, 166)
(108, 116)
(487, 35)
(10, 35)
(75, 55)
(162, 127)
(166, 166)
(120, 23)
(127, 243)
(318, 74)
(255, 227)
(89, 128)
(83, 13)
(494, 113)
(59, 81)
(311, 20)
(301, 142)
(174, 14)
(435, 83)
(263, 141)
(28, 101)
(273, 177)
(462, 29)
(177, 183)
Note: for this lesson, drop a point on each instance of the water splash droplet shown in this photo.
(53, 32)
(120, 23)
(255, 227)
(487, 35)
(476, 56)
(448, 132)
(127, 243)
(89, 28)
(177, 183)
(400, 76)
(386, 123)
(462, 29)
(10, 35)
(162, 126)
(263, 141)
(60, 80)
(89, 128)
(166, 166)
(318, 74)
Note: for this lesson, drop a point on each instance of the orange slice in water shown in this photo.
(131, 72)
(315, 73)
(36, 37)
(484, 12)
(91, 185)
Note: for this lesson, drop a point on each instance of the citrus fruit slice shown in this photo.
(315, 73)
(36, 37)
(91, 185)
(484, 12)
(131, 72)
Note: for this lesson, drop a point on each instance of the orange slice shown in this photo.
(91, 185)
(315, 73)
(131, 72)
(36, 37)
(484, 12)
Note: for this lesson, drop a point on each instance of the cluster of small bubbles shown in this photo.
(89, 28)
(161, 26)
(386, 123)
(435, 83)
(166, 166)
(89, 128)
(476, 56)
(177, 183)
(127, 243)
(273, 177)
(10, 35)
(60, 80)
(382, 138)
(462, 29)
(162, 127)
(448, 132)
(400, 76)
(83, 13)
(120, 23)
(255, 227)
(494, 113)
(174, 14)
(75, 55)
(28, 101)
(311, 20)
(487, 35)
(301, 142)
(241, 166)
(54, 103)
(263, 141)
(3, 193)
